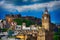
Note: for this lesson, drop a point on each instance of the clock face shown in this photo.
(45, 17)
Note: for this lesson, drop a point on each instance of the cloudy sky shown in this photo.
(31, 8)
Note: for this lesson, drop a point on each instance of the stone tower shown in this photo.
(45, 32)
(46, 25)
(46, 20)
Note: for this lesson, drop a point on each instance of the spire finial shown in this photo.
(46, 10)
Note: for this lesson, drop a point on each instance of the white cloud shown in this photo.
(2, 2)
(31, 0)
(31, 7)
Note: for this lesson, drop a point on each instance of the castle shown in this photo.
(36, 33)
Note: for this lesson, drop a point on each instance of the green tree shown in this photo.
(20, 21)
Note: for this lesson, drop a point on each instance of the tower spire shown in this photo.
(46, 10)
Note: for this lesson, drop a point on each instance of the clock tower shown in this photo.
(46, 20)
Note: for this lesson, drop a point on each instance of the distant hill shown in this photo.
(29, 20)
